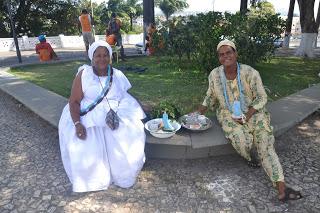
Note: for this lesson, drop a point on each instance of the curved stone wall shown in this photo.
(61, 41)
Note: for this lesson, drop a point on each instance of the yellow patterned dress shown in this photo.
(257, 131)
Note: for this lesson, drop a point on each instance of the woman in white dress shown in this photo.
(96, 152)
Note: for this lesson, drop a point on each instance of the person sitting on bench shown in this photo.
(45, 50)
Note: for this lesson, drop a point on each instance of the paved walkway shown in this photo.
(32, 178)
(291, 52)
(30, 57)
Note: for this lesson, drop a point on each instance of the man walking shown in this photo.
(85, 28)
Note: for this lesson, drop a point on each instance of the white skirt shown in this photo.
(106, 156)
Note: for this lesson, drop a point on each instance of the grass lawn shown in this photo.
(185, 87)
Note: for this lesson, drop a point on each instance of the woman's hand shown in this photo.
(81, 131)
(241, 120)
(250, 113)
(245, 117)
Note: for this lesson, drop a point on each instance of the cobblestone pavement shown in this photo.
(32, 178)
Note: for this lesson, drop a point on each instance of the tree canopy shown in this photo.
(169, 7)
(54, 17)
(262, 8)
(32, 17)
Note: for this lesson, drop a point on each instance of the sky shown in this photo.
(233, 5)
(281, 6)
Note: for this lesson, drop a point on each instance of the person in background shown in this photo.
(149, 49)
(85, 24)
(237, 93)
(114, 27)
(45, 51)
(110, 38)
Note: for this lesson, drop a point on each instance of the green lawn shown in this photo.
(185, 87)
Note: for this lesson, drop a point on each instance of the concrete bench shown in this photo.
(186, 144)
(285, 113)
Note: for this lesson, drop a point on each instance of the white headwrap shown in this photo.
(97, 44)
(226, 42)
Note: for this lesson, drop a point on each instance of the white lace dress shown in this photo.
(106, 156)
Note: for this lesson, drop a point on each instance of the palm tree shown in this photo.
(169, 7)
(133, 9)
(254, 2)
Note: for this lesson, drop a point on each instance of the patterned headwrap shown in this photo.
(226, 42)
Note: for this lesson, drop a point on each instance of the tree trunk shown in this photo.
(286, 42)
(243, 6)
(148, 16)
(317, 25)
(318, 18)
(308, 28)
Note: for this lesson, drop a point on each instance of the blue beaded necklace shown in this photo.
(102, 94)
(224, 84)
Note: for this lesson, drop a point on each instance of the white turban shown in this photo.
(226, 42)
(97, 44)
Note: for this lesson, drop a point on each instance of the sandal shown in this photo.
(254, 162)
(290, 194)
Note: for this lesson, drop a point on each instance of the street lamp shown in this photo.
(13, 31)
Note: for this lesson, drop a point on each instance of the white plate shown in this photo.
(195, 122)
(153, 127)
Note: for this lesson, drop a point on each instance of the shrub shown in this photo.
(164, 106)
(196, 37)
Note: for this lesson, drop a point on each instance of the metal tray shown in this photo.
(195, 122)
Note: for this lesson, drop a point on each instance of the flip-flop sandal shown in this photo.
(291, 194)
(254, 162)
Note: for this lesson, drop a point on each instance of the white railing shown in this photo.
(61, 41)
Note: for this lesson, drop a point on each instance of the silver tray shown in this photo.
(195, 122)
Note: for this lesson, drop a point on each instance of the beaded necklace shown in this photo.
(225, 94)
(100, 96)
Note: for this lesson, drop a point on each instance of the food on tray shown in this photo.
(160, 125)
(195, 126)
(195, 122)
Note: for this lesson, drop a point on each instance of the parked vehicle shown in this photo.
(278, 42)
(139, 47)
